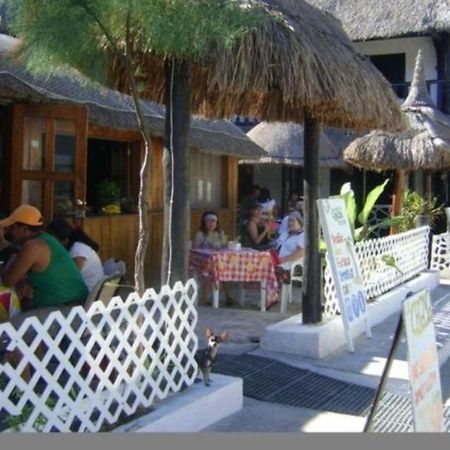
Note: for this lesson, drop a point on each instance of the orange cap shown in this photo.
(27, 214)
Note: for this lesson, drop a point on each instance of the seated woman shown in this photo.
(257, 231)
(209, 234)
(291, 244)
(82, 249)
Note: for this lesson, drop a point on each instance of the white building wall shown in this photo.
(409, 46)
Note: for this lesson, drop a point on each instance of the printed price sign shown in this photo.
(423, 363)
(343, 264)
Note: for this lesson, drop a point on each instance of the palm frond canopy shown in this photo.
(424, 145)
(110, 108)
(379, 19)
(300, 60)
(284, 144)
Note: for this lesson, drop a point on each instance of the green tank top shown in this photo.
(60, 282)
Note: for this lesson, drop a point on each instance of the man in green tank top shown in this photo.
(51, 274)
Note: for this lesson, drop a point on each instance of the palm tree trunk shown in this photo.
(311, 293)
(177, 215)
(397, 196)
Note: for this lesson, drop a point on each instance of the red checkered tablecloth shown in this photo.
(244, 265)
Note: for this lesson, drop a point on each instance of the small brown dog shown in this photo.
(205, 357)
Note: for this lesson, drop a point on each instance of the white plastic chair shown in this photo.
(104, 290)
(286, 289)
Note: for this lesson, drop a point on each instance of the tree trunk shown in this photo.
(397, 196)
(143, 237)
(311, 294)
(141, 249)
(177, 217)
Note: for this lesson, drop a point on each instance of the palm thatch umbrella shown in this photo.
(298, 67)
(424, 145)
(300, 61)
(284, 144)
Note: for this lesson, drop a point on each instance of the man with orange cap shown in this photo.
(46, 265)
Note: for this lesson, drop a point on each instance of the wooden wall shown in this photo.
(117, 234)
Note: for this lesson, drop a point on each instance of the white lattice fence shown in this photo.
(408, 250)
(377, 215)
(440, 252)
(91, 369)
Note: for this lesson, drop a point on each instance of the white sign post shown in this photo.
(423, 363)
(344, 265)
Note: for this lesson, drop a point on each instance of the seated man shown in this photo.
(292, 243)
(53, 279)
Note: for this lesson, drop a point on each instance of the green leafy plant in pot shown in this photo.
(108, 194)
(416, 210)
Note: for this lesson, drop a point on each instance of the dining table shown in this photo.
(244, 265)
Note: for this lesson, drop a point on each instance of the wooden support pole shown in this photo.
(311, 299)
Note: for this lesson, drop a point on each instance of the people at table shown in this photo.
(53, 281)
(268, 204)
(82, 249)
(292, 243)
(257, 231)
(209, 234)
(292, 201)
(248, 201)
(284, 223)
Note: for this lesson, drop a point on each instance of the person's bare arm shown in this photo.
(253, 232)
(79, 262)
(294, 256)
(33, 254)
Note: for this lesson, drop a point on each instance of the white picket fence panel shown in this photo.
(409, 251)
(93, 368)
(440, 252)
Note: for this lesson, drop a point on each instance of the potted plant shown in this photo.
(108, 194)
(417, 211)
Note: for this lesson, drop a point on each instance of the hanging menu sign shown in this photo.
(423, 363)
(344, 264)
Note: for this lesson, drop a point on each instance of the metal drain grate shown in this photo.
(272, 381)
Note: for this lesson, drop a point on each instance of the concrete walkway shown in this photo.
(364, 367)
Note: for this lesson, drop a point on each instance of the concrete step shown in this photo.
(193, 409)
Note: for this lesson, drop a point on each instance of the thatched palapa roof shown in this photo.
(110, 108)
(424, 145)
(381, 19)
(284, 144)
(303, 59)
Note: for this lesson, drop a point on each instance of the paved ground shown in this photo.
(364, 367)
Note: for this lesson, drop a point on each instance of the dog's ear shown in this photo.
(224, 336)
(208, 332)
